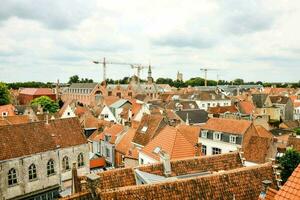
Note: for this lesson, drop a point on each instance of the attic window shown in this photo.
(144, 129)
(232, 139)
(217, 136)
(156, 150)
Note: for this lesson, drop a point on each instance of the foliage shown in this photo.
(29, 84)
(46, 103)
(238, 81)
(4, 94)
(76, 79)
(289, 162)
(297, 130)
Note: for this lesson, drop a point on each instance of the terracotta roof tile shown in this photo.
(227, 125)
(151, 124)
(98, 162)
(30, 138)
(173, 142)
(114, 131)
(108, 100)
(10, 109)
(246, 107)
(17, 119)
(257, 149)
(262, 132)
(36, 91)
(222, 109)
(291, 189)
(124, 144)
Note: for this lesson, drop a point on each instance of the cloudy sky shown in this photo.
(47, 40)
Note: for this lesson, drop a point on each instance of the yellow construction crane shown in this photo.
(205, 74)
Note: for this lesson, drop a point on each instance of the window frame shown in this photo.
(66, 163)
(204, 150)
(32, 173)
(215, 134)
(231, 137)
(50, 167)
(216, 151)
(204, 133)
(80, 160)
(12, 177)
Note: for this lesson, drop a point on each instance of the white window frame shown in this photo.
(204, 149)
(213, 150)
(204, 133)
(217, 134)
(232, 139)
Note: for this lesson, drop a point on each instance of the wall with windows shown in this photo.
(213, 103)
(224, 146)
(144, 159)
(43, 180)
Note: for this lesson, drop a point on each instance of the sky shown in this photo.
(47, 40)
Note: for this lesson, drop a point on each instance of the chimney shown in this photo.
(92, 183)
(165, 159)
(198, 151)
(187, 121)
(75, 182)
(265, 186)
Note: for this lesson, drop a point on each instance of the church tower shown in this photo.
(150, 79)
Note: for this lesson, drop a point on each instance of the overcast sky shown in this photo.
(47, 40)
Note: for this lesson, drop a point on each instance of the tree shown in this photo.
(238, 81)
(74, 79)
(46, 103)
(4, 94)
(289, 162)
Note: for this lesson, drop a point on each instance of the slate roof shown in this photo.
(227, 125)
(83, 85)
(291, 189)
(279, 99)
(195, 116)
(30, 138)
(259, 99)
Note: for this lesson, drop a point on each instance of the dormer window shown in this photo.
(107, 138)
(4, 114)
(204, 134)
(217, 136)
(156, 150)
(232, 139)
(144, 129)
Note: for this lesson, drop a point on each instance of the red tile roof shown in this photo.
(227, 125)
(124, 144)
(98, 162)
(291, 189)
(36, 91)
(222, 109)
(30, 138)
(173, 142)
(18, 119)
(113, 131)
(108, 100)
(10, 109)
(246, 107)
(262, 132)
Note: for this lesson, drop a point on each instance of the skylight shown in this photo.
(144, 129)
(156, 150)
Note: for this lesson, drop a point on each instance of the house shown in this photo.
(36, 158)
(113, 112)
(178, 142)
(148, 128)
(26, 95)
(192, 117)
(224, 112)
(124, 147)
(220, 135)
(7, 110)
(209, 177)
(297, 110)
(110, 137)
(246, 108)
(285, 106)
(264, 106)
(182, 105)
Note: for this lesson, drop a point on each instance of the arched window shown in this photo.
(50, 167)
(12, 177)
(65, 163)
(32, 172)
(80, 160)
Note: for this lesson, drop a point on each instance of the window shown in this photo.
(204, 134)
(208, 104)
(4, 114)
(156, 150)
(106, 116)
(107, 152)
(65, 163)
(217, 136)
(204, 149)
(232, 139)
(50, 167)
(80, 160)
(119, 94)
(32, 172)
(107, 138)
(68, 113)
(142, 161)
(203, 105)
(216, 151)
(12, 177)
(144, 129)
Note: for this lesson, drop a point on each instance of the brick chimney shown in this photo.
(165, 159)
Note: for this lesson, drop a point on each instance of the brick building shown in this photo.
(26, 95)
